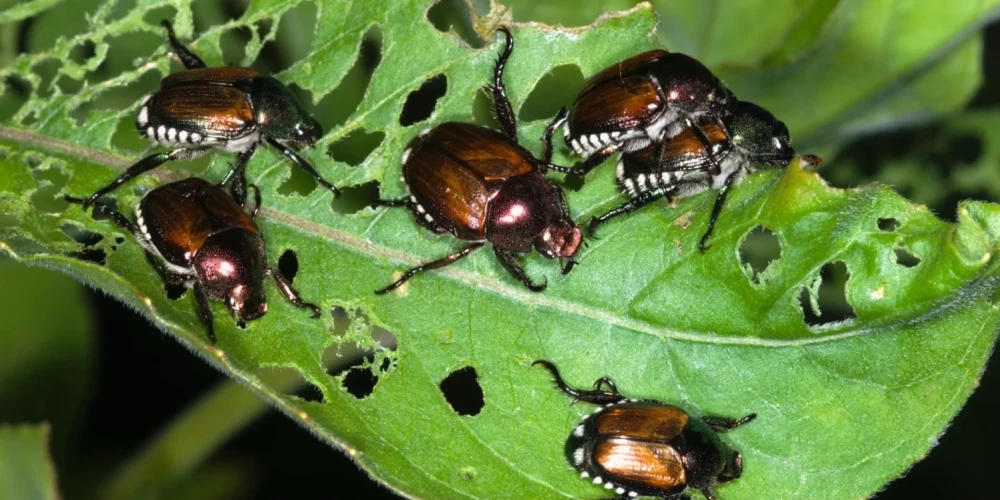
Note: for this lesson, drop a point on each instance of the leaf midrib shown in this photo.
(535, 300)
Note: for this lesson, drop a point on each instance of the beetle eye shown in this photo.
(778, 144)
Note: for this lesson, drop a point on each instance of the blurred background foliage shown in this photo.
(67, 354)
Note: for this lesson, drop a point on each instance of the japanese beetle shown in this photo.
(481, 186)
(642, 100)
(748, 137)
(646, 447)
(233, 109)
(197, 236)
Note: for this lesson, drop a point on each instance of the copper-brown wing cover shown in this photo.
(652, 464)
(182, 215)
(638, 420)
(204, 101)
(686, 144)
(622, 69)
(615, 103)
(456, 169)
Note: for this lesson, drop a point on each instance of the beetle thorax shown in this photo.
(231, 265)
(519, 213)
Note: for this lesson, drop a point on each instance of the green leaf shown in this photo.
(843, 407)
(46, 348)
(26, 471)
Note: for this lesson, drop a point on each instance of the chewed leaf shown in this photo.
(845, 403)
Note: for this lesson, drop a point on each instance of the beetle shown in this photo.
(197, 236)
(643, 100)
(647, 447)
(229, 108)
(748, 137)
(481, 186)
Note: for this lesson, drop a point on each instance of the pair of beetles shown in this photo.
(679, 132)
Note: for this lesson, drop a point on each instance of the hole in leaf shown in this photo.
(14, 94)
(83, 52)
(385, 338)
(95, 255)
(758, 250)
(174, 290)
(357, 365)
(118, 98)
(299, 183)
(288, 264)
(48, 198)
(292, 42)
(462, 391)
(354, 198)
(81, 235)
(420, 103)
(483, 113)
(290, 381)
(47, 70)
(550, 93)
(888, 224)
(453, 16)
(905, 258)
(829, 304)
(154, 16)
(334, 109)
(965, 148)
(360, 382)
(233, 43)
(341, 320)
(353, 148)
(572, 182)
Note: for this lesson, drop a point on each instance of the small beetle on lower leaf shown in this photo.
(648, 448)
(482, 186)
(229, 108)
(197, 236)
(745, 139)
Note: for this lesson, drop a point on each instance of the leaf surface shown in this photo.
(844, 406)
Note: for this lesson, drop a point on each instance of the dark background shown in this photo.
(274, 457)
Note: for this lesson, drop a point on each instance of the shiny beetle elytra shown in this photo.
(643, 100)
(481, 186)
(229, 108)
(648, 448)
(197, 236)
(748, 137)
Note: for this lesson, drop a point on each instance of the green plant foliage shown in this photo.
(844, 406)
(26, 471)
(45, 354)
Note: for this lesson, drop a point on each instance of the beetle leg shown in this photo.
(142, 166)
(726, 423)
(402, 202)
(501, 104)
(291, 293)
(204, 311)
(595, 160)
(187, 57)
(559, 120)
(442, 262)
(510, 263)
(605, 380)
(720, 199)
(256, 203)
(238, 173)
(644, 198)
(303, 164)
(596, 397)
